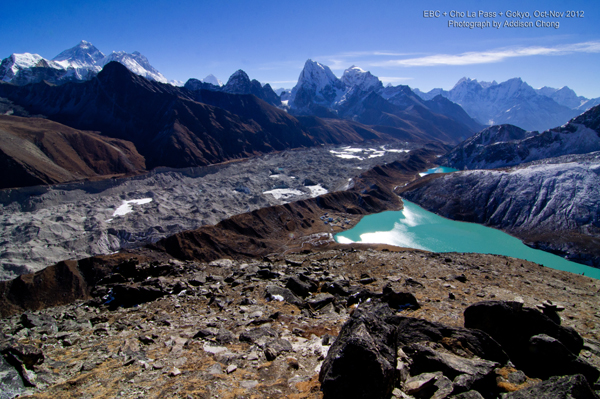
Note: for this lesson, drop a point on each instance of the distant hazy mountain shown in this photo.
(507, 145)
(514, 102)
(360, 96)
(212, 79)
(79, 63)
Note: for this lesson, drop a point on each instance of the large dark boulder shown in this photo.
(361, 362)
(567, 387)
(399, 300)
(512, 326)
(131, 295)
(460, 341)
(548, 357)
(301, 285)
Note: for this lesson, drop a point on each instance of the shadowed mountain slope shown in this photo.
(172, 126)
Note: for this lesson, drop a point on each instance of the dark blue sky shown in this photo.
(271, 40)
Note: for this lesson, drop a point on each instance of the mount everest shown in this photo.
(81, 62)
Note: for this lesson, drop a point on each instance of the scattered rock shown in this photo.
(231, 368)
(276, 347)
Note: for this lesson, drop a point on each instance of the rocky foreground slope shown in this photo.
(551, 204)
(154, 326)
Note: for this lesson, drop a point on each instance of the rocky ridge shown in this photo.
(36, 151)
(507, 145)
(238, 83)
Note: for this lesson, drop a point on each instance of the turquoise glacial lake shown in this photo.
(414, 227)
(439, 169)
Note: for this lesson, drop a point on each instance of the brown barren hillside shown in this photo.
(38, 151)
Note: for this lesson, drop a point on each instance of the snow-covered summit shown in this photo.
(318, 85)
(513, 101)
(564, 96)
(81, 62)
(136, 63)
(84, 55)
(317, 75)
(357, 77)
(11, 66)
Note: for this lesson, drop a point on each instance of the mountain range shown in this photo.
(79, 63)
(507, 145)
(177, 127)
(514, 102)
(360, 96)
(238, 83)
(357, 95)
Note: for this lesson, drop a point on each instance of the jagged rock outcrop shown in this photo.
(435, 361)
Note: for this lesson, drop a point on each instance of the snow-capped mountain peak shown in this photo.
(136, 63)
(316, 75)
(81, 62)
(84, 55)
(357, 77)
(13, 65)
(316, 84)
(212, 79)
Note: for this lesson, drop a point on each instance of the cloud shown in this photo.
(341, 61)
(491, 56)
(393, 79)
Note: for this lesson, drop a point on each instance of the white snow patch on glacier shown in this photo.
(126, 207)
